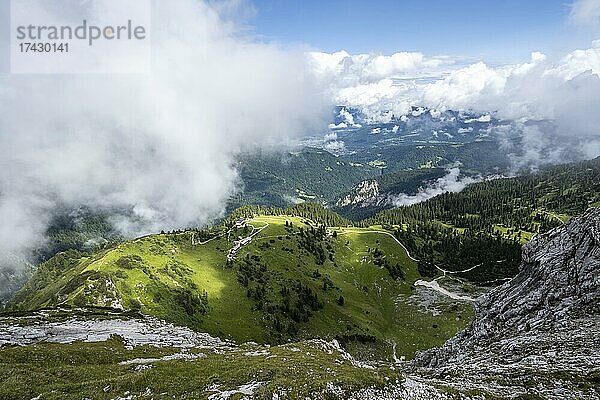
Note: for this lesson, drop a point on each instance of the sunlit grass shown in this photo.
(375, 305)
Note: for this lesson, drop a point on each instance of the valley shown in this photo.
(543, 346)
(288, 279)
(300, 301)
(300, 200)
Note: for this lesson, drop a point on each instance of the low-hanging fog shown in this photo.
(160, 145)
(451, 182)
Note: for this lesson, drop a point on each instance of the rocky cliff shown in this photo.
(365, 194)
(538, 334)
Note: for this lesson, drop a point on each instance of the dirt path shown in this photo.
(446, 272)
(350, 230)
(238, 244)
(434, 285)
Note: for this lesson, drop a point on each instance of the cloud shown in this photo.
(577, 62)
(336, 147)
(348, 117)
(460, 88)
(329, 64)
(373, 82)
(451, 182)
(370, 83)
(378, 101)
(341, 125)
(330, 136)
(347, 120)
(560, 91)
(160, 145)
(369, 93)
(585, 13)
(483, 88)
(557, 92)
(400, 64)
(365, 68)
(483, 118)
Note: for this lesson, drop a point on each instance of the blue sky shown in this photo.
(494, 30)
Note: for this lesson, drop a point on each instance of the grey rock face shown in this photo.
(538, 333)
(43, 327)
(365, 194)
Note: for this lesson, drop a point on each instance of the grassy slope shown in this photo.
(375, 311)
(171, 262)
(92, 370)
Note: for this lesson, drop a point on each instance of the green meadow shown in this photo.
(292, 281)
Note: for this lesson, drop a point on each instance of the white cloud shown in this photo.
(461, 88)
(161, 145)
(585, 13)
(365, 68)
(379, 100)
(348, 117)
(341, 125)
(336, 147)
(451, 182)
(330, 136)
(563, 90)
(348, 120)
(483, 118)
(577, 62)
(328, 64)
(369, 93)
(401, 64)
(435, 113)
(373, 82)
(369, 83)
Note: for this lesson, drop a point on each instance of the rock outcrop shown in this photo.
(365, 194)
(538, 334)
(64, 326)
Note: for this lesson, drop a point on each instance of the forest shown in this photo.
(485, 224)
(479, 230)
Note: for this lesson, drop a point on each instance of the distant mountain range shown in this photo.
(421, 125)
